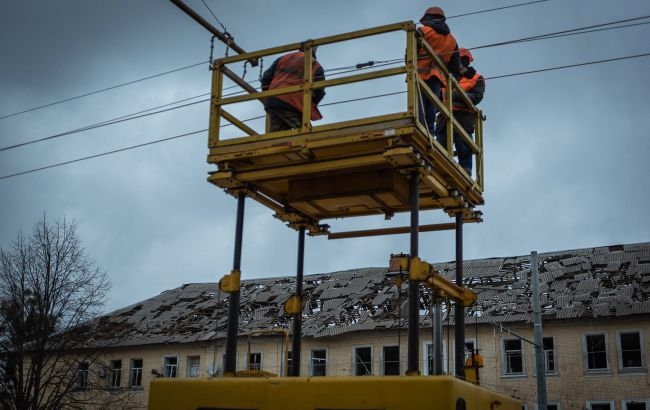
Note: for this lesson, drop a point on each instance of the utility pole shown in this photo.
(540, 364)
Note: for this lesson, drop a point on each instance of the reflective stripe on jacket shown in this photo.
(290, 71)
(443, 45)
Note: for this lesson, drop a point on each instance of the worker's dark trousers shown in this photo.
(426, 109)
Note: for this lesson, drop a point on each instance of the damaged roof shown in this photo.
(607, 281)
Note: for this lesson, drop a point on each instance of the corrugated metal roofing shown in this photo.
(594, 282)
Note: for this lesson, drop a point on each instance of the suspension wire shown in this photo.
(497, 8)
(103, 124)
(135, 116)
(550, 35)
(102, 154)
(215, 17)
(119, 119)
(574, 31)
(102, 90)
(568, 66)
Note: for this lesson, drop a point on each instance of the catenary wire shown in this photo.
(259, 117)
(562, 33)
(190, 66)
(497, 9)
(101, 91)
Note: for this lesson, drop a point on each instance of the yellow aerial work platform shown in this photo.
(349, 168)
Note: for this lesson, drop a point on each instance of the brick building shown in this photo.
(596, 325)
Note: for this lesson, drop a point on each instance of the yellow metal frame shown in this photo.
(303, 393)
(279, 169)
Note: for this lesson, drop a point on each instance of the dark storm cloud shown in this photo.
(565, 150)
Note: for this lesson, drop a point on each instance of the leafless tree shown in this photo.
(49, 290)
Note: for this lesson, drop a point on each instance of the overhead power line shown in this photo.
(550, 35)
(568, 66)
(117, 120)
(333, 103)
(102, 154)
(101, 91)
(562, 33)
(497, 8)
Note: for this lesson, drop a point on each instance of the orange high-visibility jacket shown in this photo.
(467, 84)
(290, 71)
(443, 45)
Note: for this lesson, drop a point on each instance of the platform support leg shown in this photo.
(297, 318)
(233, 300)
(459, 308)
(437, 335)
(414, 285)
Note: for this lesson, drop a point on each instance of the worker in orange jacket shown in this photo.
(285, 111)
(436, 33)
(473, 84)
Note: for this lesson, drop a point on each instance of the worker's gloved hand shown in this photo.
(470, 72)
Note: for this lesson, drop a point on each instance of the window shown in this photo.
(553, 406)
(596, 352)
(600, 405)
(469, 349)
(170, 366)
(255, 361)
(81, 377)
(319, 362)
(362, 361)
(135, 378)
(548, 350)
(193, 366)
(429, 367)
(115, 376)
(391, 360)
(642, 404)
(549, 355)
(289, 361)
(513, 357)
(630, 354)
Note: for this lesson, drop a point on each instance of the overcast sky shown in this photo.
(566, 150)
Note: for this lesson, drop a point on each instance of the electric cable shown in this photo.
(497, 8)
(550, 35)
(333, 103)
(568, 66)
(101, 91)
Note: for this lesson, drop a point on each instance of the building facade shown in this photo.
(596, 325)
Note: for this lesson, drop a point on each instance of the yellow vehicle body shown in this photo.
(326, 393)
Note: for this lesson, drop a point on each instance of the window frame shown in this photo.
(585, 353)
(383, 360)
(646, 401)
(115, 374)
(619, 351)
(172, 374)
(545, 355)
(82, 375)
(190, 366)
(427, 359)
(138, 371)
(590, 403)
(288, 362)
(254, 365)
(355, 361)
(506, 357)
(313, 366)
(550, 403)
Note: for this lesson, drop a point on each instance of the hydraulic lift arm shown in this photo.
(423, 272)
